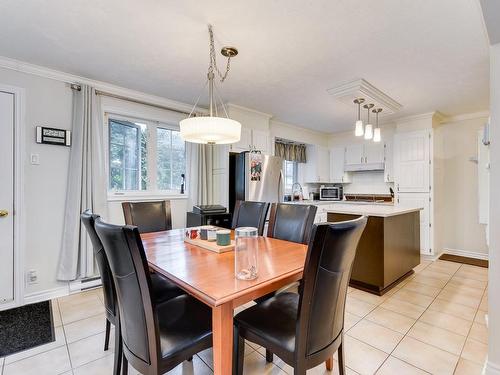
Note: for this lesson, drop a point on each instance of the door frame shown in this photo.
(19, 227)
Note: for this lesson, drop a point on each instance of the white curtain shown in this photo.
(199, 174)
(86, 185)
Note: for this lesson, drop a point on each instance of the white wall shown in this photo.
(294, 133)
(47, 103)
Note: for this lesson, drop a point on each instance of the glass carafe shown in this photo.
(246, 253)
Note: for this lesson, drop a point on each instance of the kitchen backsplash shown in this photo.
(369, 182)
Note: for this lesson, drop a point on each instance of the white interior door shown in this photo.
(412, 160)
(6, 197)
(420, 200)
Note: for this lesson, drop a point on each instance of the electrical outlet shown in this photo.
(35, 159)
(31, 277)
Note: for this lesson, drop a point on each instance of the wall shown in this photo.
(294, 133)
(460, 198)
(47, 103)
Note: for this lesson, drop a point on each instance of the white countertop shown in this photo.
(380, 210)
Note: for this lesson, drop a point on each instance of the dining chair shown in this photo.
(149, 216)
(291, 222)
(250, 214)
(162, 288)
(156, 336)
(306, 329)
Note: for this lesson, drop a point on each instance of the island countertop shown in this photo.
(379, 210)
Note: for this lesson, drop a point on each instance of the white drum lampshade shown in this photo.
(210, 130)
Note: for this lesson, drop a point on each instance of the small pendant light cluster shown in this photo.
(367, 131)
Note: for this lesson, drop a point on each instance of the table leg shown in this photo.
(222, 328)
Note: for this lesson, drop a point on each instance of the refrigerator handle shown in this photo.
(280, 187)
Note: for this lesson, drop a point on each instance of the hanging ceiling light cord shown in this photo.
(213, 59)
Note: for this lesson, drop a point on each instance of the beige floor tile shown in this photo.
(435, 275)
(358, 307)
(368, 297)
(255, 364)
(55, 361)
(475, 351)
(413, 297)
(460, 281)
(391, 320)
(102, 366)
(460, 298)
(429, 281)
(465, 290)
(479, 332)
(362, 357)
(78, 298)
(468, 274)
(207, 355)
(394, 366)
(89, 349)
(454, 309)
(480, 317)
(441, 338)
(443, 268)
(350, 320)
(56, 313)
(405, 308)
(466, 367)
(427, 290)
(59, 341)
(420, 267)
(71, 312)
(483, 306)
(425, 356)
(85, 328)
(376, 335)
(446, 321)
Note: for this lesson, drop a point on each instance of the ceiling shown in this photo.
(428, 55)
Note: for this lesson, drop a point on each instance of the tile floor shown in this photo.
(433, 322)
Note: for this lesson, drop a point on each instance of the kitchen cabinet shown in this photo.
(389, 162)
(253, 139)
(374, 152)
(318, 164)
(354, 154)
(412, 161)
(337, 166)
(369, 156)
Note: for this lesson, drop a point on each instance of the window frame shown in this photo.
(152, 126)
(295, 175)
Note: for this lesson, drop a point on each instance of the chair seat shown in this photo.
(185, 326)
(163, 289)
(271, 322)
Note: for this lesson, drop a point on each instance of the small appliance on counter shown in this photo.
(209, 215)
(331, 193)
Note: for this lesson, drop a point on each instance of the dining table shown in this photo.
(209, 277)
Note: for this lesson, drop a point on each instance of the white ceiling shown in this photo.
(427, 54)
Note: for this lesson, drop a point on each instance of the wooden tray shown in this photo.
(210, 245)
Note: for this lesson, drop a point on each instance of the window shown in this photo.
(290, 171)
(145, 156)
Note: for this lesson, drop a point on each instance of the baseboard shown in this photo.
(85, 284)
(430, 257)
(465, 253)
(46, 295)
(491, 368)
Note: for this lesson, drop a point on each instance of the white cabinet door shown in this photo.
(260, 140)
(323, 164)
(412, 160)
(420, 200)
(354, 154)
(374, 152)
(7, 198)
(245, 141)
(337, 161)
(389, 162)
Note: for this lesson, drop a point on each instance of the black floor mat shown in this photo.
(26, 327)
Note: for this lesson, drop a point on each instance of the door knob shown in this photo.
(4, 213)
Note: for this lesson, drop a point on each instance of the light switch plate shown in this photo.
(35, 159)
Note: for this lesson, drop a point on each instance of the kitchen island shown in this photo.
(389, 248)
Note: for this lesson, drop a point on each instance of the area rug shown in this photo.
(465, 260)
(25, 327)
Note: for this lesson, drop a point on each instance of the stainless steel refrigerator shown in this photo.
(255, 178)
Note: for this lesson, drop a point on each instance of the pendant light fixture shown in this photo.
(359, 130)
(369, 126)
(212, 129)
(376, 132)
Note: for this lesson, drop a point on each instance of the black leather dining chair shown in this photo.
(291, 222)
(306, 329)
(149, 216)
(162, 288)
(250, 214)
(156, 336)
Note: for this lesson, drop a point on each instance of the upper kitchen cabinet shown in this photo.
(317, 168)
(412, 161)
(337, 165)
(364, 157)
(389, 162)
(253, 139)
(245, 142)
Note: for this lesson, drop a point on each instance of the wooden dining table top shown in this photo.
(209, 276)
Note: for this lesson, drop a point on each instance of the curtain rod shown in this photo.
(77, 87)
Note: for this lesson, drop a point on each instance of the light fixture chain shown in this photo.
(213, 60)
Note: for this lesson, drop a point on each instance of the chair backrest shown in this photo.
(153, 216)
(291, 222)
(250, 214)
(108, 286)
(128, 264)
(327, 271)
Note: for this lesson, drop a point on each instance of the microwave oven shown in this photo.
(331, 193)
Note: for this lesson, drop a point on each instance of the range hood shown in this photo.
(364, 167)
